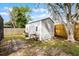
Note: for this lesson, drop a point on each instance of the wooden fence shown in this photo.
(11, 31)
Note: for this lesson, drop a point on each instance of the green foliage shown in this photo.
(8, 25)
(20, 15)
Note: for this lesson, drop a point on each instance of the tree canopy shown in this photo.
(20, 16)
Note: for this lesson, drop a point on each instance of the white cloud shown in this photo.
(39, 10)
(42, 16)
(4, 13)
(8, 8)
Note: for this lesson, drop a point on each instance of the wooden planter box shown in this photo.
(61, 32)
(76, 31)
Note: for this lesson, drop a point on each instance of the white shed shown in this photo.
(43, 28)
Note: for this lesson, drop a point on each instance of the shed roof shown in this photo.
(41, 20)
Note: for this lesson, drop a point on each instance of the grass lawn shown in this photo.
(9, 37)
(54, 47)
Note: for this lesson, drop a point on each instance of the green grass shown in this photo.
(65, 46)
(51, 47)
(9, 37)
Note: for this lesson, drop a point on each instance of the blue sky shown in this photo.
(38, 12)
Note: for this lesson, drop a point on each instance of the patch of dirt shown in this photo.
(11, 46)
(38, 52)
(20, 52)
(55, 52)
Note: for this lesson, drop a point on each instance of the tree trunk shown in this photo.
(14, 28)
(70, 32)
(70, 24)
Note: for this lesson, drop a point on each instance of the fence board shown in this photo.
(10, 31)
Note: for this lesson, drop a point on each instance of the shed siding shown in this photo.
(43, 28)
(31, 28)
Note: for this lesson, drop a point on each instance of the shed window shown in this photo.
(36, 28)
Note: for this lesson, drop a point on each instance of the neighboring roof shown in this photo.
(41, 20)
